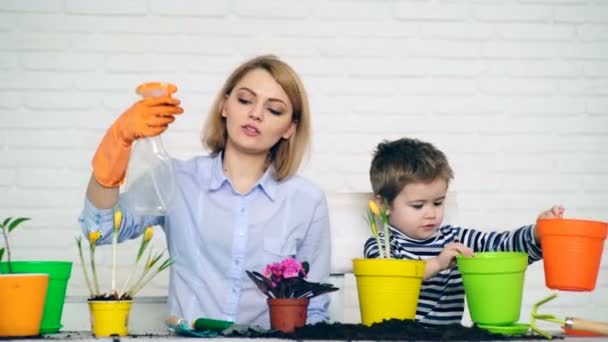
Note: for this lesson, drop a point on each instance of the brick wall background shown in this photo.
(513, 91)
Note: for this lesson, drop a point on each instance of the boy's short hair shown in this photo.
(398, 163)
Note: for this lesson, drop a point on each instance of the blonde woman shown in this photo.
(239, 208)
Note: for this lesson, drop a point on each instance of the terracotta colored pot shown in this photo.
(572, 252)
(287, 314)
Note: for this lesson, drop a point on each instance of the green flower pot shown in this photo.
(59, 273)
(493, 284)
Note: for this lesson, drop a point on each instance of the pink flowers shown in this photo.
(285, 279)
(288, 268)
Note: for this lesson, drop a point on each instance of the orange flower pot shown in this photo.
(572, 252)
(22, 298)
(287, 314)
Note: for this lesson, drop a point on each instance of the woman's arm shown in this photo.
(100, 196)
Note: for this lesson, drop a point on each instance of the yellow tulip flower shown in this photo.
(374, 208)
(117, 219)
(93, 237)
(148, 234)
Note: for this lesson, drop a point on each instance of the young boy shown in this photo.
(413, 177)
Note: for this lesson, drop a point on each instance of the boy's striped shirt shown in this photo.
(441, 298)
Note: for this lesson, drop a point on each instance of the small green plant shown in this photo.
(151, 268)
(8, 225)
(375, 213)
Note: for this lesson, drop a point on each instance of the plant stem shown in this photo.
(142, 282)
(114, 243)
(387, 241)
(84, 267)
(124, 286)
(380, 249)
(144, 272)
(8, 249)
(94, 269)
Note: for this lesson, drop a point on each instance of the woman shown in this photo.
(240, 208)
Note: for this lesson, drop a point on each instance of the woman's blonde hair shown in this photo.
(287, 154)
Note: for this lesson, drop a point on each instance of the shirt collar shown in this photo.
(217, 173)
(411, 239)
(267, 182)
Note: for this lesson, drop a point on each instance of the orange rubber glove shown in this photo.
(146, 118)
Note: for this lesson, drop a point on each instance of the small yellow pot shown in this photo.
(109, 317)
(388, 288)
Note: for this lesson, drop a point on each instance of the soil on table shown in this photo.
(393, 330)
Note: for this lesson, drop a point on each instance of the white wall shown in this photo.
(513, 91)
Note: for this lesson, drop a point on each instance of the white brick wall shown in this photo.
(513, 91)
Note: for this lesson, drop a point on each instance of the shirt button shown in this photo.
(242, 210)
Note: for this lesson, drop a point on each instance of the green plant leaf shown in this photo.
(6, 221)
(1, 253)
(17, 222)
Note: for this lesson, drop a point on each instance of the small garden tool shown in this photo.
(570, 322)
(181, 327)
(206, 327)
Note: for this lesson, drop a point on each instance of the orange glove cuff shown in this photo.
(111, 159)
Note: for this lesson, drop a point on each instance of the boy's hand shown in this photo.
(446, 258)
(556, 211)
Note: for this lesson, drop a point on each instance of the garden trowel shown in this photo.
(181, 327)
(206, 327)
(573, 323)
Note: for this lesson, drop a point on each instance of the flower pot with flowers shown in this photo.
(26, 284)
(110, 310)
(387, 287)
(288, 292)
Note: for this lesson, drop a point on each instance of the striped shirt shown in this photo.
(441, 298)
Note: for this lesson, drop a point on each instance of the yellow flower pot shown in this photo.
(110, 317)
(388, 288)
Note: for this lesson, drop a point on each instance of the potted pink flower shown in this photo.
(288, 292)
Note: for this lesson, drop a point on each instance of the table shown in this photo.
(166, 337)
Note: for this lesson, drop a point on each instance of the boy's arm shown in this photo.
(519, 240)
(433, 265)
(445, 259)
